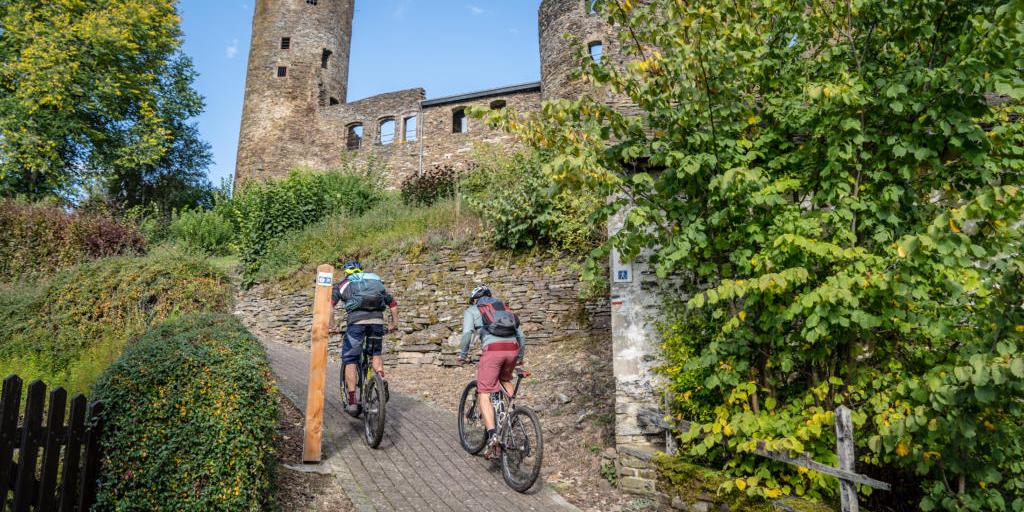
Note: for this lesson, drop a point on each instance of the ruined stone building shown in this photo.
(296, 113)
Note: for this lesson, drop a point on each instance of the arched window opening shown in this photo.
(498, 104)
(409, 128)
(387, 131)
(460, 123)
(596, 51)
(355, 136)
(325, 58)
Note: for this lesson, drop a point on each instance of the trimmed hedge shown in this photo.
(191, 412)
(67, 328)
(40, 237)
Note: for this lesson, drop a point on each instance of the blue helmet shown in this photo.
(352, 267)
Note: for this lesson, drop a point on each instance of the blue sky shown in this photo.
(444, 46)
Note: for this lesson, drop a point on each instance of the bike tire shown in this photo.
(469, 415)
(522, 421)
(374, 411)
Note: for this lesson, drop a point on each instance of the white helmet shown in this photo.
(479, 291)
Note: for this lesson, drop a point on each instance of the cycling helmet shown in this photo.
(352, 267)
(479, 291)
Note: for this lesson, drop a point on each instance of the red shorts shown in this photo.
(496, 365)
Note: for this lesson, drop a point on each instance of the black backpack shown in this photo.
(498, 320)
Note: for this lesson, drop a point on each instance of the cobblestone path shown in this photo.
(419, 465)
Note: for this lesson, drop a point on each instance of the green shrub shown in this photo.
(210, 232)
(523, 208)
(191, 413)
(389, 227)
(40, 237)
(435, 184)
(266, 212)
(66, 328)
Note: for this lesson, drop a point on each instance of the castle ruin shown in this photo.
(296, 113)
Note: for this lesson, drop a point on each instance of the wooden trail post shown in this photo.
(311, 443)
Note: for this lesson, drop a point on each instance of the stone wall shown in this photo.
(431, 290)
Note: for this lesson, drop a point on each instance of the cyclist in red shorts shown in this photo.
(503, 348)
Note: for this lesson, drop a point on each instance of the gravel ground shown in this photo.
(296, 490)
(572, 388)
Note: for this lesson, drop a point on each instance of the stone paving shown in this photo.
(419, 465)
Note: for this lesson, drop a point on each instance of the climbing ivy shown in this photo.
(839, 183)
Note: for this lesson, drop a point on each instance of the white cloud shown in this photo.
(475, 9)
(232, 50)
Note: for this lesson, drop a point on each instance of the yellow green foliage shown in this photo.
(68, 327)
(191, 411)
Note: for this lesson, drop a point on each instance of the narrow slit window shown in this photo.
(282, 71)
(409, 128)
(325, 58)
(460, 123)
(354, 137)
(498, 104)
(286, 43)
(596, 51)
(387, 131)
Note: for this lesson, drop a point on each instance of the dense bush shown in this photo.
(390, 226)
(524, 208)
(435, 184)
(191, 412)
(265, 212)
(67, 327)
(39, 237)
(207, 231)
(839, 184)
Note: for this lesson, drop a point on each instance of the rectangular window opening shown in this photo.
(409, 128)
(325, 58)
(282, 71)
(286, 43)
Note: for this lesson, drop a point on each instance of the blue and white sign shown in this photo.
(324, 279)
(621, 272)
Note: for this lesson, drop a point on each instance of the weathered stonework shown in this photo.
(431, 292)
(302, 119)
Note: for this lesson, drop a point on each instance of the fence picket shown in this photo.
(47, 499)
(72, 455)
(28, 452)
(10, 403)
(90, 470)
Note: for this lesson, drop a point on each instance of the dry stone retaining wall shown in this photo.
(431, 292)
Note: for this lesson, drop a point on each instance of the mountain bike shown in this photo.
(371, 395)
(517, 428)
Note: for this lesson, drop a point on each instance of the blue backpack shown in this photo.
(368, 293)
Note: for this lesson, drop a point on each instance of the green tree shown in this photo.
(839, 182)
(91, 89)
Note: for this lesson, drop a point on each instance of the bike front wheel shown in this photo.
(472, 432)
(522, 450)
(374, 410)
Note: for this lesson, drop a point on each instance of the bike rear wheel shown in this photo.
(374, 410)
(472, 431)
(522, 450)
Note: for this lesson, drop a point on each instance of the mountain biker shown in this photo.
(503, 344)
(365, 299)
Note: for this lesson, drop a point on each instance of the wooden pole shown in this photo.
(318, 365)
(844, 447)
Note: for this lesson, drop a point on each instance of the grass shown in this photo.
(389, 228)
(67, 327)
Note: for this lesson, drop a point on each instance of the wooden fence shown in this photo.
(57, 465)
(846, 473)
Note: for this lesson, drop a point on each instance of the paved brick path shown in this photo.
(419, 465)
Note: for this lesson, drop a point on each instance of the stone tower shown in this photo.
(558, 53)
(298, 64)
